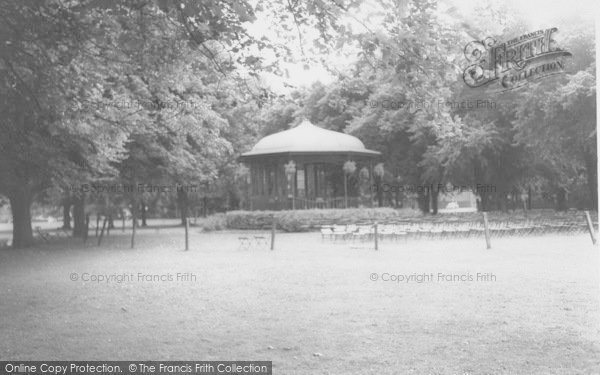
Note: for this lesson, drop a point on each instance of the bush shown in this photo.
(211, 223)
(305, 220)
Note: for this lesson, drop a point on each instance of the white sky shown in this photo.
(539, 13)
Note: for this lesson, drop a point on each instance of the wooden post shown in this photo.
(102, 231)
(590, 226)
(273, 227)
(97, 224)
(123, 217)
(187, 228)
(487, 230)
(376, 237)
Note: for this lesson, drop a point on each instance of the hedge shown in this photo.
(306, 220)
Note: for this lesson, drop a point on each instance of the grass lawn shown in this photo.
(310, 306)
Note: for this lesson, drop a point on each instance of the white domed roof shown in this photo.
(307, 137)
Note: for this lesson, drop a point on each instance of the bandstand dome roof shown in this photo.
(308, 138)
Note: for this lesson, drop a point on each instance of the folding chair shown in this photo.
(261, 242)
(326, 231)
(245, 243)
(463, 230)
(399, 231)
(362, 232)
(412, 230)
(436, 230)
(385, 230)
(339, 231)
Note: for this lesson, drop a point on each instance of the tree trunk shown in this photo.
(66, 213)
(134, 209)
(20, 205)
(79, 216)
(591, 167)
(503, 203)
(379, 192)
(423, 201)
(87, 227)
(182, 201)
(484, 203)
(143, 213)
(434, 200)
(561, 199)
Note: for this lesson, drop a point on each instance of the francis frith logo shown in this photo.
(514, 63)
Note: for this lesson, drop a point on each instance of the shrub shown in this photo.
(304, 220)
(211, 223)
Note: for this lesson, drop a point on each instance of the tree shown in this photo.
(47, 71)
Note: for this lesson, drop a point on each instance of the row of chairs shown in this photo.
(446, 230)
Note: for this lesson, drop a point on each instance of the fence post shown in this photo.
(273, 227)
(376, 237)
(590, 226)
(187, 227)
(487, 230)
